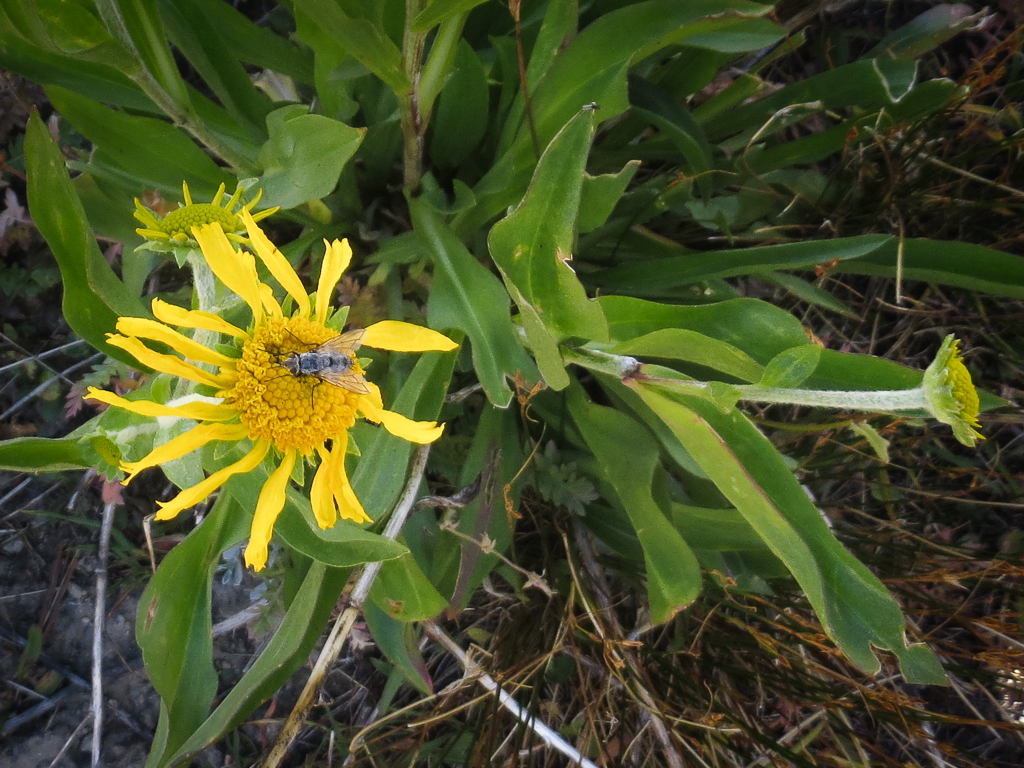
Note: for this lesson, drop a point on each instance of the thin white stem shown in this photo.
(861, 400)
(98, 619)
(206, 294)
(343, 624)
(544, 733)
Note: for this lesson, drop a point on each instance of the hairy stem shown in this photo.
(409, 104)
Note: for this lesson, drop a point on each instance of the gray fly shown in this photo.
(333, 362)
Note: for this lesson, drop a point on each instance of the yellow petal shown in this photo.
(269, 302)
(278, 265)
(194, 318)
(268, 507)
(169, 363)
(372, 407)
(197, 411)
(237, 270)
(320, 497)
(336, 260)
(142, 328)
(177, 447)
(406, 337)
(192, 496)
(339, 491)
(348, 504)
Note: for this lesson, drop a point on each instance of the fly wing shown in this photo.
(350, 380)
(346, 343)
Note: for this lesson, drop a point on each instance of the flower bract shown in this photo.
(283, 415)
(952, 398)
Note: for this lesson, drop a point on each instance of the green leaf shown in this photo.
(138, 27)
(400, 643)
(964, 265)
(843, 370)
(755, 327)
(559, 25)
(591, 70)
(404, 592)
(439, 11)
(468, 297)
(304, 156)
(96, 80)
(869, 84)
(344, 544)
(41, 454)
(93, 296)
(744, 35)
(156, 153)
(655, 277)
(545, 349)
(878, 443)
(173, 628)
(808, 292)
(927, 31)
(600, 194)
(792, 367)
(460, 120)
(675, 122)
(627, 458)
(456, 565)
(692, 347)
(382, 470)
(198, 38)
(720, 530)
(363, 39)
(258, 45)
(593, 67)
(532, 248)
(286, 652)
(855, 609)
(72, 26)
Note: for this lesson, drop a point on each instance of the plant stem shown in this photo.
(99, 615)
(408, 104)
(871, 400)
(514, 8)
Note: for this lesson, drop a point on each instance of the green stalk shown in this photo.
(408, 104)
(875, 401)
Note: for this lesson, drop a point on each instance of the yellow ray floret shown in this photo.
(194, 318)
(184, 444)
(196, 410)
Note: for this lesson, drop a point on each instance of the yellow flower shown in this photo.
(177, 225)
(951, 396)
(286, 416)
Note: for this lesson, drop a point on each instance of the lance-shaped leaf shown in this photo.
(284, 654)
(156, 154)
(855, 609)
(363, 38)
(174, 628)
(41, 454)
(627, 457)
(532, 247)
(93, 296)
(468, 297)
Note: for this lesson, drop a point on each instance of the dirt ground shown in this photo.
(47, 573)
